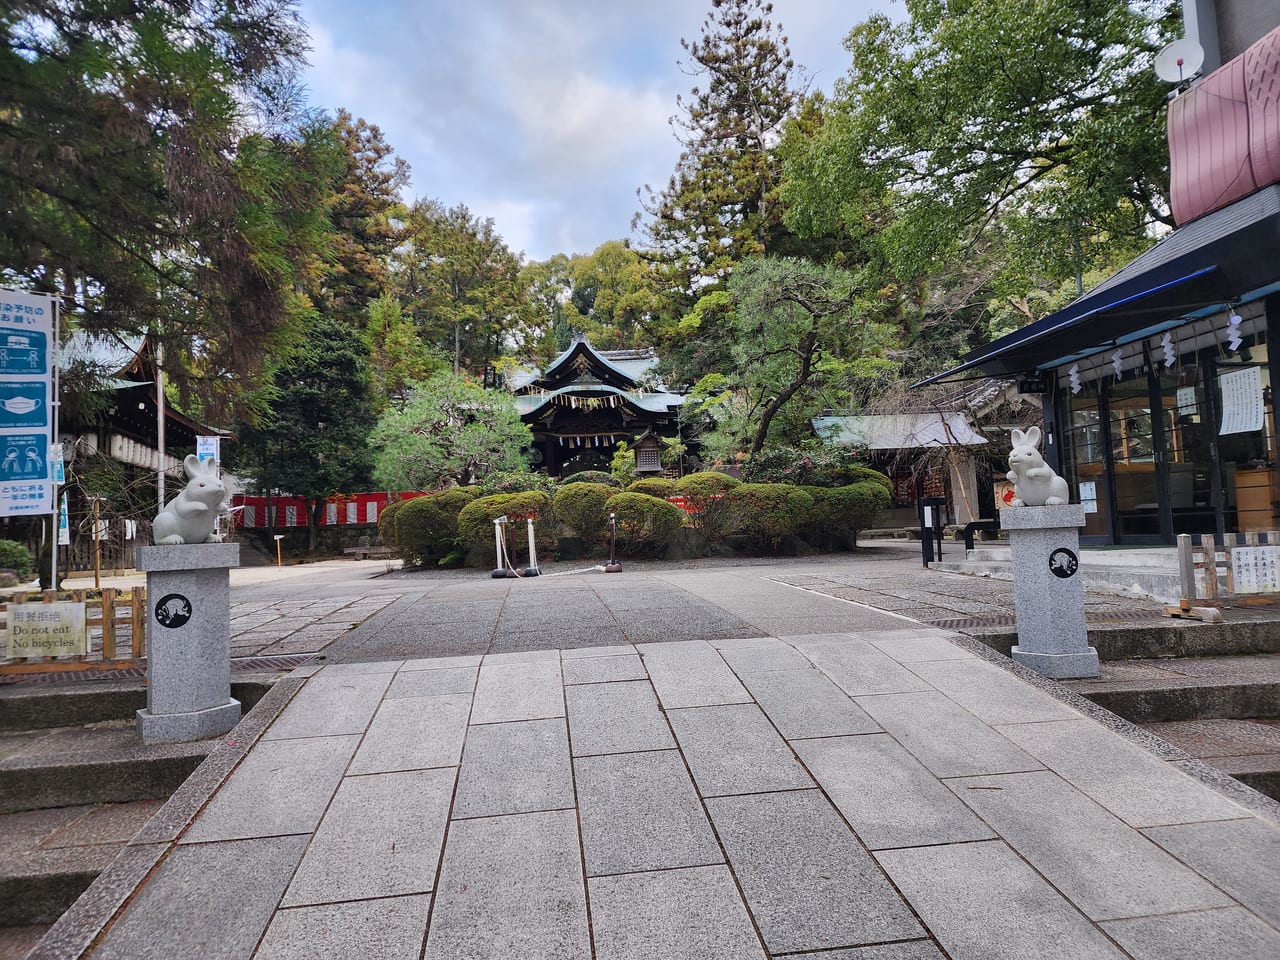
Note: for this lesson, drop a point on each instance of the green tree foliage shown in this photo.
(397, 355)
(460, 283)
(149, 174)
(721, 203)
(1028, 131)
(312, 439)
(790, 317)
(452, 431)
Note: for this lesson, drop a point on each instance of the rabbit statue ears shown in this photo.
(195, 467)
(1031, 438)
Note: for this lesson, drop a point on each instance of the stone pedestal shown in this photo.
(188, 642)
(1048, 590)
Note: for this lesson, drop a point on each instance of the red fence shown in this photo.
(353, 508)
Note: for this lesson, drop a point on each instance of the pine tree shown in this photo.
(721, 203)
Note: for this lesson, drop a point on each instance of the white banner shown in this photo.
(1242, 404)
(26, 403)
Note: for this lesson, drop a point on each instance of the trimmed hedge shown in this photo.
(653, 487)
(864, 474)
(847, 510)
(518, 481)
(709, 512)
(387, 523)
(426, 528)
(580, 507)
(475, 525)
(591, 476)
(768, 513)
(644, 523)
(16, 557)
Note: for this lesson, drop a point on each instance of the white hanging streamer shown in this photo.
(1234, 338)
(1116, 361)
(1074, 374)
(1170, 353)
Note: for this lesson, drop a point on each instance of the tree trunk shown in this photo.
(807, 349)
(314, 515)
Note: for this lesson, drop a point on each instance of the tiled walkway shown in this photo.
(869, 796)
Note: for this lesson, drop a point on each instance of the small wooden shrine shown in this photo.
(588, 401)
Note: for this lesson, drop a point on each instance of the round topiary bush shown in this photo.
(14, 556)
(768, 513)
(843, 511)
(591, 476)
(860, 474)
(704, 501)
(427, 527)
(653, 487)
(580, 507)
(644, 523)
(475, 525)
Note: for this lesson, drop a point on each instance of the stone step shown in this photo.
(100, 762)
(1248, 750)
(1163, 638)
(32, 706)
(49, 857)
(1194, 688)
(1158, 583)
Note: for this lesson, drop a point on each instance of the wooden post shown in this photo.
(109, 624)
(137, 619)
(1210, 551)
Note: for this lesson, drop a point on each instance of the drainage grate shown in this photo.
(238, 665)
(1006, 619)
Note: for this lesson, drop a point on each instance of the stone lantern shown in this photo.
(648, 449)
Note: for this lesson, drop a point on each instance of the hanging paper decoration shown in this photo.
(1170, 353)
(1115, 364)
(1074, 374)
(1234, 339)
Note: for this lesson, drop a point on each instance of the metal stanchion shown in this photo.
(613, 566)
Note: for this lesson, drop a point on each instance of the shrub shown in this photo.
(865, 474)
(849, 509)
(580, 507)
(475, 524)
(387, 523)
(592, 476)
(427, 527)
(14, 556)
(709, 513)
(644, 523)
(517, 481)
(654, 487)
(768, 513)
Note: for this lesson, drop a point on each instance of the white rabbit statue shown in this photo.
(192, 516)
(1034, 482)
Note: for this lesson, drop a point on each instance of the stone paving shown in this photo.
(869, 795)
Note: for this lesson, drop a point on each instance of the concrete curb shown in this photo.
(92, 914)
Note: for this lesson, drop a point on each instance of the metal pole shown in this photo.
(500, 568)
(613, 566)
(57, 405)
(160, 444)
(97, 546)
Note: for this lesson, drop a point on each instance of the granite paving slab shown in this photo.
(734, 749)
(1121, 776)
(1011, 913)
(909, 950)
(945, 737)
(528, 690)
(1232, 932)
(1240, 856)
(414, 734)
(386, 929)
(1219, 738)
(805, 703)
(380, 837)
(206, 902)
(511, 887)
(991, 694)
(860, 669)
(610, 650)
(432, 683)
(616, 718)
(441, 663)
(1104, 867)
(603, 669)
(692, 677)
(808, 882)
(281, 787)
(518, 767)
(690, 914)
(639, 811)
(889, 798)
(909, 646)
(331, 705)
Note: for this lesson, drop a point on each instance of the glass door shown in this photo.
(1133, 455)
(1187, 448)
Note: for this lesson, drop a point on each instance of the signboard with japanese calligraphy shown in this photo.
(1243, 406)
(1256, 569)
(26, 403)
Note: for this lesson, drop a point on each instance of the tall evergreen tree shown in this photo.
(721, 203)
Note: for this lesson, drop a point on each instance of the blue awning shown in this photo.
(1226, 257)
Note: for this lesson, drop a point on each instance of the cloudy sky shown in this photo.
(545, 115)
